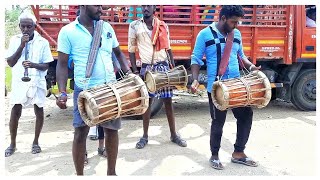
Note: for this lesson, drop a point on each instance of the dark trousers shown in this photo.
(100, 132)
(244, 121)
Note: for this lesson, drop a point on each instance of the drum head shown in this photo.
(220, 96)
(87, 108)
(150, 82)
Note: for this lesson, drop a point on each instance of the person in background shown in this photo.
(156, 57)
(311, 17)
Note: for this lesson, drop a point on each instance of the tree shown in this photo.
(11, 21)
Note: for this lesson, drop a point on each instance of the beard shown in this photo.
(226, 28)
(95, 16)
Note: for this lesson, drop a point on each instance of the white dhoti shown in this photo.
(34, 91)
(28, 93)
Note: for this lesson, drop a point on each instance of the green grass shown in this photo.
(8, 78)
(54, 88)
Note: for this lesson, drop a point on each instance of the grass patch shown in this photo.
(8, 76)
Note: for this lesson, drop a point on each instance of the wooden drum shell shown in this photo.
(157, 80)
(253, 90)
(126, 97)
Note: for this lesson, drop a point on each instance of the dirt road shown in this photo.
(282, 139)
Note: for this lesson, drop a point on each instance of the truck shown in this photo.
(274, 36)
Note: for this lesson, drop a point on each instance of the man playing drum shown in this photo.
(74, 40)
(211, 42)
(28, 50)
(141, 33)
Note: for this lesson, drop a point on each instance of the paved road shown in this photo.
(282, 139)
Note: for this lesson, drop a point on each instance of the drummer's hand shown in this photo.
(194, 86)
(62, 100)
(253, 68)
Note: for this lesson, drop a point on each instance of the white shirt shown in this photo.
(310, 22)
(139, 38)
(26, 93)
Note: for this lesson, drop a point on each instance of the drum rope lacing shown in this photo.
(247, 86)
(117, 97)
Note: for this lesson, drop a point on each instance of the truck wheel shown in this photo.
(155, 108)
(304, 90)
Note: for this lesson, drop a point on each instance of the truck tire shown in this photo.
(155, 108)
(304, 90)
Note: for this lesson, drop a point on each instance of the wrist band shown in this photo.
(63, 93)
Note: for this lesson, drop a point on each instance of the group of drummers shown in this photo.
(100, 99)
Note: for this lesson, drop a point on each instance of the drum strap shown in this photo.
(226, 54)
(222, 63)
(218, 45)
(170, 61)
(114, 89)
(94, 47)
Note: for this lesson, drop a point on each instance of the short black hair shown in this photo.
(231, 10)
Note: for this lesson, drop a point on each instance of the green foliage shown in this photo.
(8, 78)
(12, 23)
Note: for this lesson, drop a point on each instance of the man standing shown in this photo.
(142, 37)
(211, 42)
(311, 17)
(28, 50)
(74, 41)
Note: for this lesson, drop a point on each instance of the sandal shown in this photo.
(245, 161)
(102, 152)
(9, 151)
(35, 149)
(142, 142)
(178, 140)
(216, 164)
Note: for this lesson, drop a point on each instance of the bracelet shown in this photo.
(63, 93)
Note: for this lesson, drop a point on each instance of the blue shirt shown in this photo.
(74, 39)
(205, 46)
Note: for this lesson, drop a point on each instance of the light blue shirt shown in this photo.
(74, 39)
(204, 47)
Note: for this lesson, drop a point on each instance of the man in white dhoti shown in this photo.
(33, 92)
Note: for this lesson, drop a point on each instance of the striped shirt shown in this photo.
(213, 48)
